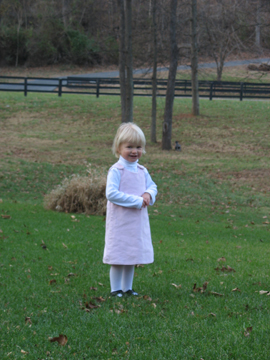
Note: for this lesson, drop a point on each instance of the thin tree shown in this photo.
(129, 63)
(154, 76)
(194, 60)
(167, 123)
(126, 60)
(258, 25)
(122, 58)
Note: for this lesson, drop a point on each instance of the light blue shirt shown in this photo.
(120, 198)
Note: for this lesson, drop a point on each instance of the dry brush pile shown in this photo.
(80, 194)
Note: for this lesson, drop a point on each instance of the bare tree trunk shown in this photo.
(167, 124)
(258, 26)
(194, 60)
(122, 59)
(19, 15)
(64, 13)
(154, 78)
(129, 77)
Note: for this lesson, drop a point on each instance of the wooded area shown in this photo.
(127, 32)
(42, 32)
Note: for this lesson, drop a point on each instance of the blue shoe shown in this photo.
(131, 292)
(118, 293)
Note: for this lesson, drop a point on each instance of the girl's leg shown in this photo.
(116, 273)
(127, 278)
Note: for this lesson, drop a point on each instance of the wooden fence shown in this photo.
(142, 87)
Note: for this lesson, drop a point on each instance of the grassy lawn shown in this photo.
(210, 226)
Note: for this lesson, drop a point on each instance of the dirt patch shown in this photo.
(257, 179)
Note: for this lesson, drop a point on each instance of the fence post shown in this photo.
(60, 88)
(25, 86)
(211, 91)
(241, 92)
(97, 88)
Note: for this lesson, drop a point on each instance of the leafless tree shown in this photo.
(126, 60)
(167, 123)
(154, 76)
(220, 26)
(194, 60)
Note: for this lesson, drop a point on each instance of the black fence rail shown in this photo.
(142, 87)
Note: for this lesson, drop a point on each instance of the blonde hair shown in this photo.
(128, 132)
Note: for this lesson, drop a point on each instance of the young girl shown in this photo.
(129, 191)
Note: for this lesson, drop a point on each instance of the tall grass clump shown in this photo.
(80, 194)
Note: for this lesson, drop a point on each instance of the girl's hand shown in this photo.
(146, 199)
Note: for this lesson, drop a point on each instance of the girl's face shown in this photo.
(130, 152)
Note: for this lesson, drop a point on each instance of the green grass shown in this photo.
(213, 202)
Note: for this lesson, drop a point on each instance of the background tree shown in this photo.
(220, 25)
(122, 58)
(167, 123)
(126, 60)
(154, 75)
(194, 60)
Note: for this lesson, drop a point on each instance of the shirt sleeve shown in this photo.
(118, 197)
(151, 187)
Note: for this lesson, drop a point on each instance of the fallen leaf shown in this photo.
(146, 297)
(177, 286)
(117, 311)
(6, 216)
(50, 268)
(90, 305)
(53, 281)
(100, 284)
(224, 268)
(222, 259)
(248, 331)
(266, 222)
(61, 339)
(205, 285)
(1, 231)
(71, 274)
(212, 314)
(65, 246)
(73, 217)
(24, 352)
(262, 292)
(238, 247)
(28, 320)
(93, 288)
(139, 266)
(200, 289)
(99, 299)
(154, 305)
(215, 293)
(236, 289)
